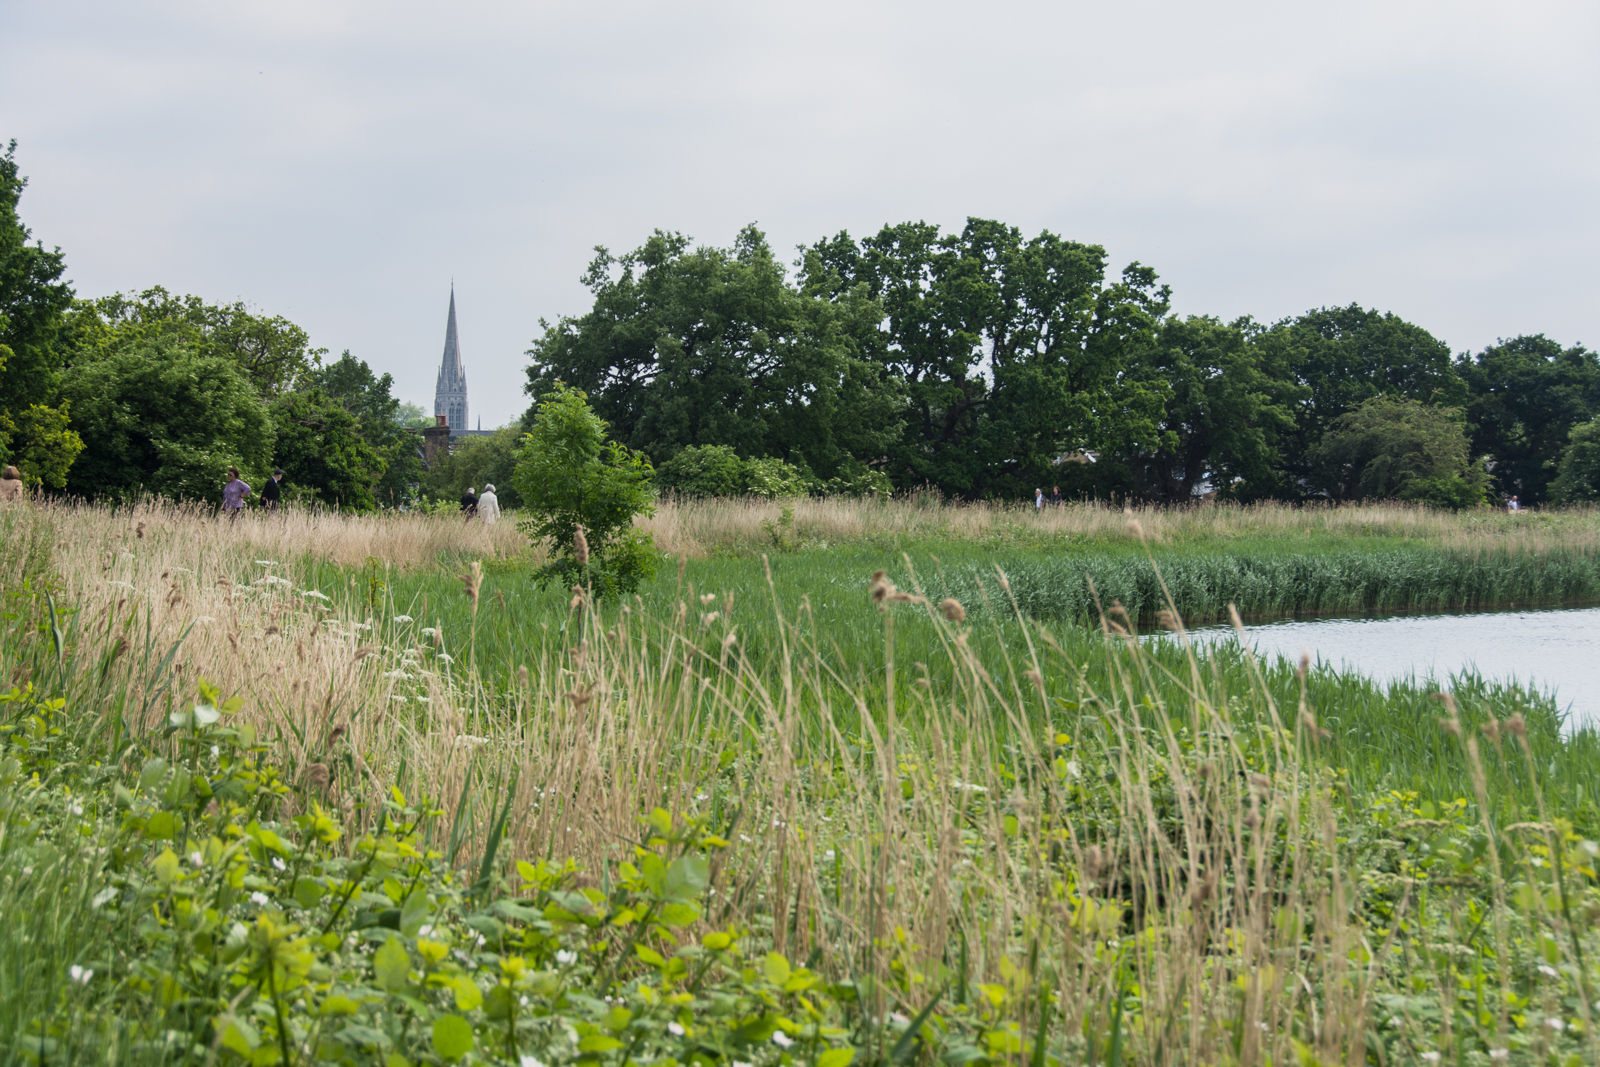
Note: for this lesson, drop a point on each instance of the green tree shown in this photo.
(33, 300)
(382, 420)
(1225, 417)
(477, 461)
(1389, 447)
(706, 346)
(1341, 357)
(1013, 350)
(1577, 480)
(703, 470)
(41, 442)
(321, 448)
(272, 352)
(1527, 394)
(570, 476)
(160, 418)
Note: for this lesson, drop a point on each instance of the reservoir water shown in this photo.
(1556, 650)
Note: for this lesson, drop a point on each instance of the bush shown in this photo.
(1578, 478)
(1392, 447)
(571, 478)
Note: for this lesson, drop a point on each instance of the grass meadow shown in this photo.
(775, 809)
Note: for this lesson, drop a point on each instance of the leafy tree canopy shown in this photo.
(1011, 349)
(33, 299)
(1578, 477)
(162, 418)
(569, 476)
(1527, 394)
(705, 346)
(381, 420)
(321, 448)
(273, 353)
(1393, 447)
(1341, 357)
(1226, 414)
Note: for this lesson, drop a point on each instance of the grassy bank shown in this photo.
(985, 839)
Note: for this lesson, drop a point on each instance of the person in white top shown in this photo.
(488, 505)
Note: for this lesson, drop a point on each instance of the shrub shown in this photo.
(1578, 478)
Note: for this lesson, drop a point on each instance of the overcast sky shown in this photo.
(339, 163)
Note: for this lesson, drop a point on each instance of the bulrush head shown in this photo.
(580, 547)
(952, 609)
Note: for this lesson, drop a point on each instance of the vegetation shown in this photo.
(1387, 448)
(859, 827)
(582, 492)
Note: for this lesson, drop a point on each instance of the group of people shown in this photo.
(235, 489)
(484, 506)
(1039, 499)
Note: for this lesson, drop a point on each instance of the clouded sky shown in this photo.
(340, 162)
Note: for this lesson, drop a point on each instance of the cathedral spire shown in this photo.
(450, 395)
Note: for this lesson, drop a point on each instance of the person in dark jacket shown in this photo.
(271, 493)
(469, 503)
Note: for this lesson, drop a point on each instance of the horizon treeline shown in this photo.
(983, 364)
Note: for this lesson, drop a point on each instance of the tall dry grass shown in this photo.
(1176, 876)
(702, 526)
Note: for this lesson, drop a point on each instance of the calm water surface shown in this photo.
(1556, 650)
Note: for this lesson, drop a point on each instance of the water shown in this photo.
(1556, 650)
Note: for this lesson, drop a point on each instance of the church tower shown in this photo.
(450, 396)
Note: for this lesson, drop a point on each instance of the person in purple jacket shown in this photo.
(233, 493)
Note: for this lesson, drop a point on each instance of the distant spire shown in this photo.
(450, 395)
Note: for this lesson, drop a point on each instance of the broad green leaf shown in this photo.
(775, 968)
(452, 1036)
(836, 1057)
(391, 964)
(167, 868)
(598, 1043)
(415, 912)
(676, 915)
(338, 1004)
(687, 878)
(468, 995)
(162, 826)
(617, 1019)
(649, 955)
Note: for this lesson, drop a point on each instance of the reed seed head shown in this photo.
(1516, 726)
(952, 609)
(522, 677)
(1451, 726)
(580, 547)
(317, 776)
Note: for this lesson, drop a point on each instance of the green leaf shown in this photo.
(452, 1036)
(415, 912)
(649, 955)
(468, 995)
(598, 1043)
(338, 1004)
(162, 826)
(775, 968)
(687, 878)
(678, 915)
(660, 822)
(307, 892)
(391, 964)
(238, 1035)
(500, 1003)
(836, 1057)
(167, 868)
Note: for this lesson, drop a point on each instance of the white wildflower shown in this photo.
(429, 631)
(425, 930)
(1498, 1054)
(315, 593)
(701, 796)
(277, 861)
(81, 975)
(1555, 1023)
(745, 838)
(197, 859)
(204, 618)
(259, 899)
(403, 618)
(124, 585)
(215, 751)
(675, 1030)
(1430, 1057)
(529, 1060)
(469, 739)
(75, 808)
(267, 563)
(445, 657)
(273, 579)
(782, 1040)
(565, 958)
(398, 699)
(102, 898)
(399, 676)
(1549, 971)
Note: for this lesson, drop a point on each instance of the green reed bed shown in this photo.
(1382, 737)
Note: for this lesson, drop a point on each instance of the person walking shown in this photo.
(233, 494)
(488, 505)
(469, 503)
(1038, 499)
(1055, 496)
(271, 493)
(10, 485)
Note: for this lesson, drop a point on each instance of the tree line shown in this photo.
(983, 363)
(986, 363)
